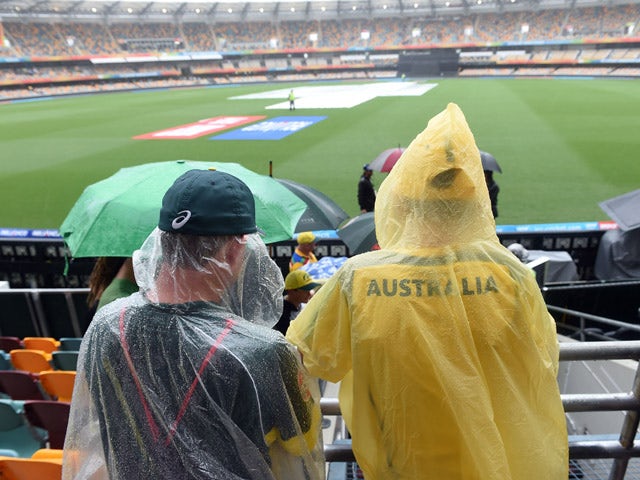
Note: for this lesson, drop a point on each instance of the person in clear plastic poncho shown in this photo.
(445, 350)
(186, 379)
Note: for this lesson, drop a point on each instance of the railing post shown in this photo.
(627, 433)
(41, 318)
(34, 313)
(73, 314)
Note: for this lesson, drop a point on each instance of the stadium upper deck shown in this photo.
(101, 11)
(54, 28)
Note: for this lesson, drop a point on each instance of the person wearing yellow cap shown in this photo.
(298, 289)
(441, 341)
(303, 253)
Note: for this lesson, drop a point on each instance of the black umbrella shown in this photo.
(322, 212)
(489, 162)
(359, 233)
(624, 210)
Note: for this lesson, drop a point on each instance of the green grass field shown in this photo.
(564, 145)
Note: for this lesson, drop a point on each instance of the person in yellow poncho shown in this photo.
(446, 353)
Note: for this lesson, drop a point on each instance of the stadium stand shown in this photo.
(43, 58)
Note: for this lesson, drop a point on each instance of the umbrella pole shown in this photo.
(271, 168)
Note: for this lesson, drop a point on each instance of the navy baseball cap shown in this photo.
(208, 202)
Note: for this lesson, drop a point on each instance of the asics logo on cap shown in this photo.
(182, 218)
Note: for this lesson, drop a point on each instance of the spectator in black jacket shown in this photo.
(366, 193)
(494, 189)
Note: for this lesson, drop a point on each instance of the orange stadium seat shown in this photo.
(34, 361)
(48, 453)
(58, 384)
(46, 344)
(30, 468)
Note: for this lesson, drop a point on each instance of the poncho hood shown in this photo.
(436, 194)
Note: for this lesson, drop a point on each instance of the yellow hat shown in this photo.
(306, 237)
(300, 280)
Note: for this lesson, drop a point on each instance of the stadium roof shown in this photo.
(212, 11)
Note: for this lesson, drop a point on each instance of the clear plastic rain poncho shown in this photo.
(186, 379)
(442, 342)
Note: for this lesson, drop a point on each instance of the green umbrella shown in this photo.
(114, 216)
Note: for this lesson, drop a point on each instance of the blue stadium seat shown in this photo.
(70, 343)
(64, 360)
(16, 433)
(5, 361)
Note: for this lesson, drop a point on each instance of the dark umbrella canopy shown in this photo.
(624, 210)
(489, 162)
(359, 234)
(322, 213)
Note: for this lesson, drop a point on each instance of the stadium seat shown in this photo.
(64, 360)
(50, 453)
(70, 343)
(30, 468)
(51, 416)
(15, 433)
(5, 361)
(21, 385)
(58, 384)
(10, 343)
(34, 361)
(46, 344)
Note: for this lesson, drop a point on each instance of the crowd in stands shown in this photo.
(38, 39)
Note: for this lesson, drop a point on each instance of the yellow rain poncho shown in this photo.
(442, 342)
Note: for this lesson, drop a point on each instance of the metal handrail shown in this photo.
(36, 309)
(583, 317)
(580, 446)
